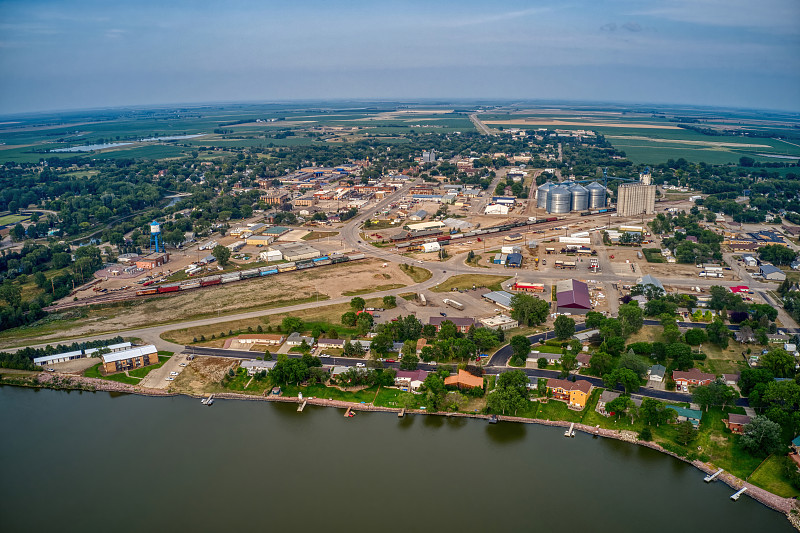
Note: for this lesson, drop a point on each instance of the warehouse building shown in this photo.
(295, 251)
(499, 298)
(151, 261)
(260, 240)
(572, 296)
(77, 354)
(131, 358)
(772, 273)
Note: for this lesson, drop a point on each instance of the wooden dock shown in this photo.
(302, 406)
(402, 413)
(571, 431)
(739, 493)
(347, 413)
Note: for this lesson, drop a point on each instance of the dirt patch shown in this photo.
(550, 122)
(203, 375)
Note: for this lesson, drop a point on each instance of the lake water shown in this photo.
(101, 462)
(90, 147)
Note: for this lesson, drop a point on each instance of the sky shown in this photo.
(58, 55)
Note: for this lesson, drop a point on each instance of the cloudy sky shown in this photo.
(101, 53)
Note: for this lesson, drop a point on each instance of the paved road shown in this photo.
(480, 126)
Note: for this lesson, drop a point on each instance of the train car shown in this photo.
(339, 259)
(227, 278)
(169, 288)
(356, 257)
(214, 280)
(458, 236)
(148, 282)
(190, 285)
(145, 292)
(320, 259)
(323, 262)
(306, 263)
(287, 267)
(269, 271)
(444, 238)
(247, 274)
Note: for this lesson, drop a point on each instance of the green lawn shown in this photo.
(769, 476)
(321, 391)
(94, 372)
(379, 288)
(143, 371)
(12, 219)
(418, 274)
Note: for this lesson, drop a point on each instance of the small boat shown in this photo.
(493, 419)
(351, 414)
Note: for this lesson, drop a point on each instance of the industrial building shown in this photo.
(772, 273)
(260, 240)
(499, 298)
(77, 354)
(151, 261)
(572, 296)
(499, 321)
(131, 358)
(637, 198)
(295, 251)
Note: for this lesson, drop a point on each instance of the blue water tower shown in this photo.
(156, 244)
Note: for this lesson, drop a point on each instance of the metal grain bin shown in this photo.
(558, 200)
(541, 195)
(580, 197)
(597, 195)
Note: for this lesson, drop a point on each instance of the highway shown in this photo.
(480, 126)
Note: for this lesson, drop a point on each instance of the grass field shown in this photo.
(387, 287)
(418, 274)
(12, 219)
(467, 281)
(314, 235)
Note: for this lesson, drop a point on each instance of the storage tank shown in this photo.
(580, 197)
(597, 195)
(541, 195)
(558, 200)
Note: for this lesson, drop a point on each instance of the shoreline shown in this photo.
(786, 506)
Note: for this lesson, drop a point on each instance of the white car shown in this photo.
(182, 364)
(324, 355)
(169, 379)
(173, 373)
(360, 365)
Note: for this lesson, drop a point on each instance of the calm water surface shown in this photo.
(99, 462)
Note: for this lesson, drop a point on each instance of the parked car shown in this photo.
(51, 369)
(173, 373)
(169, 379)
(391, 361)
(324, 355)
(443, 314)
(360, 365)
(182, 364)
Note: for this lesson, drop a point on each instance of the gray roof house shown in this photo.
(656, 373)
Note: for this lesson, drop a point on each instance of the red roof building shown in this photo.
(692, 377)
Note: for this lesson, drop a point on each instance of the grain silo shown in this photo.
(597, 195)
(558, 200)
(541, 195)
(580, 197)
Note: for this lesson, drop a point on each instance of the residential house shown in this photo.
(736, 423)
(462, 324)
(295, 339)
(684, 414)
(410, 379)
(692, 377)
(421, 343)
(575, 393)
(330, 344)
(607, 397)
(584, 360)
(464, 380)
(270, 339)
(731, 379)
(656, 373)
(253, 366)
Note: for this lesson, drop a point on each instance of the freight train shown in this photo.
(417, 239)
(208, 281)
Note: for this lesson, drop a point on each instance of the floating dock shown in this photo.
(302, 406)
(571, 431)
(347, 413)
(208, 401)
(711, 477)
(739, 493)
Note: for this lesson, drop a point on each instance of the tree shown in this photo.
(685, 433)
(681, 353)
(779, 362)
(291, 324)
(777, 254)
(407, 400)
(594, 319)
(761, 436)
(434, 391)
(696, 336)
(364, 323)
(618, 406)
(610, 327)
(564, 327)
(18, 232)
(626, 377)
(222, 254)
(528, 309)
(653, 412)
(447, 330)
(358, 303)
(349, 319)
(409, 362)
(631, 319)
(389, 302)
(511, 392)
(381, 344)
(613, 345)
(541, 362)
(521, 346)
(750, 377)
(484, 339)
(601, 363)
(633, 362)
(718, 333)
(568, 363)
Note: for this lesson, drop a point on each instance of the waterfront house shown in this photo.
(607, 397)
(410, 379)
(253, 366)
(131, 358)
(796, 444)
(464, 380)
(574, 393)
(684, 414)
(736, 423)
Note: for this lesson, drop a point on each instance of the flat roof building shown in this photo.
(131, 358)
(500, 298)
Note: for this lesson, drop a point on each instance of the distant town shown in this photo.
(504, 263)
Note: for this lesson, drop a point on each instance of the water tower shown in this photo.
(156, 244)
